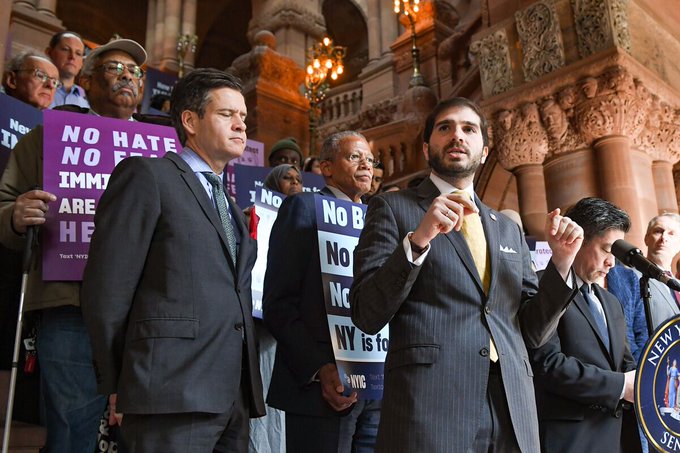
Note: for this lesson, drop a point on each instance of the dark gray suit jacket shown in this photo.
(437, 365)
(579, 381)
(167, 312)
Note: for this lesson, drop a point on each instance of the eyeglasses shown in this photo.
(117, 68)
(44, 78)
(355, 158)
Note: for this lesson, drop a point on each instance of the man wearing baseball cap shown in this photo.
(112, 79)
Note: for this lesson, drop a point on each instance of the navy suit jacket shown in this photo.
(579, 381)
(168, 313)
(294, 311)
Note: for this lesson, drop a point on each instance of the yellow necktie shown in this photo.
(473, 232)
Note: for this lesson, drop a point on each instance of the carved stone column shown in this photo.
(664, 185)
(171, 20)
(29, 27)
(159, 35)
(4, 35)
(189, 28)
(522, 144)
(660, 140)
(48, 7)
(150, 41)
(271, 81)
(374, 30)
(296, 25)
(613, 113)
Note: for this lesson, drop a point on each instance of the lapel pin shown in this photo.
(492, 215)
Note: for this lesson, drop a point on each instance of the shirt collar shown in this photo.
(339, 194)
(92, 112)
(196, 162)
(445, 187)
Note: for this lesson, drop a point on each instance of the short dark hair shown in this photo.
(456, 102)
(56, 38)
(596, 216)
(192, 93)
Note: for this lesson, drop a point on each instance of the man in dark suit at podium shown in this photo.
(583, 374)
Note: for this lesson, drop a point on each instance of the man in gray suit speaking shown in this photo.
(166, 292)
(453, 278)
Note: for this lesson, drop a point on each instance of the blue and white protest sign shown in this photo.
(360, 357)
(158, 87)
(248, 179)
(267, 203)
(16, 120)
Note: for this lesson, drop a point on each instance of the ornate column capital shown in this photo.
(660, 138)
(519, 138)
(611, 104)
(288, 13)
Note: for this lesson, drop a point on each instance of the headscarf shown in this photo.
(273, 179)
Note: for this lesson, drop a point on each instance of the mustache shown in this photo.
(450, 146)
(126, 84)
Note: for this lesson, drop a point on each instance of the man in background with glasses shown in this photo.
(305, 381)
(31, 78)
(72, 407)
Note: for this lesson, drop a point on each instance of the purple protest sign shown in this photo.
(16, 120)
(79, 153)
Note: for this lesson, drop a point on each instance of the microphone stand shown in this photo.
(646, 294)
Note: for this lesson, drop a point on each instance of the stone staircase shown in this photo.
(24, 437)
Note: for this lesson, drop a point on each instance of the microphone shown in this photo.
(631, 256)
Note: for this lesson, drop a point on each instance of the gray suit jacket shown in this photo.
(437, 366)
(168, 313)
(662, 304)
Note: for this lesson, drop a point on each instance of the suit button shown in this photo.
(487, 309)
(484, 352)
(238, 326)
(618, 413)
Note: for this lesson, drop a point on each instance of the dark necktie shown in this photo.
(597, 315)
(223, 211)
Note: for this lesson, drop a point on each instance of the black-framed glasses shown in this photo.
(44, 78)
(117, 68)
(356, 158)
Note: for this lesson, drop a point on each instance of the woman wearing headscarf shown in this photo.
(268, 433)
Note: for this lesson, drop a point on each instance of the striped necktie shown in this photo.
(223, 211)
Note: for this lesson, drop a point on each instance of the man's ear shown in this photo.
(426, 151)
(189, 122)
(11, 80)
(485, 153)
(85, 81)
(326, 169)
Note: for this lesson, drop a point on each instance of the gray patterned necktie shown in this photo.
(223, 211)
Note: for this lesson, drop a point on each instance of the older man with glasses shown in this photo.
(112, 79)
(31, 78)
(320, 416)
